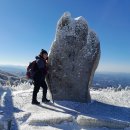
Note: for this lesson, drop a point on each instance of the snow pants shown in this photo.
(37, 84)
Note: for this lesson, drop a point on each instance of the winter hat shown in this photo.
(43, 52)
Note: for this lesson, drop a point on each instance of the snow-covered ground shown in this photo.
(109, 109)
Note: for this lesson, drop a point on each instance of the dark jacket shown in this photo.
(42, 69)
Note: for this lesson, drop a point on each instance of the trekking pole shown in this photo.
(49, 86)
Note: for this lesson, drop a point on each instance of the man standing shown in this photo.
(39, 77)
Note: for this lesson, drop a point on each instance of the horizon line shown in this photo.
(97, 71)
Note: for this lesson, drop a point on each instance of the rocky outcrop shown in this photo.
(73, 58)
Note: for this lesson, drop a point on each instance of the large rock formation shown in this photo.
(73, 58)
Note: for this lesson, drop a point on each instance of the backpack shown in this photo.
(31, 70)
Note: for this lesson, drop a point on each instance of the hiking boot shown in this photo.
(35, 102)
(45, 100)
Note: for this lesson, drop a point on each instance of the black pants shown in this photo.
(37, 84)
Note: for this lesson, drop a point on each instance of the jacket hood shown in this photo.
(38, 57)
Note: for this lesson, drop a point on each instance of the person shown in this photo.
(39, 77)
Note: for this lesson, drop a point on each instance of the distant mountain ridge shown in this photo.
(7, 78)
(13, 69)
(101, 79)
(104, 80)
(6, 73)
(12, 75)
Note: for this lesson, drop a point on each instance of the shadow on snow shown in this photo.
(9, 110)
(98, 110)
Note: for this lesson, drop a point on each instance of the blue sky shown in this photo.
(26, 26)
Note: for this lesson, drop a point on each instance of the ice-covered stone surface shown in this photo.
(73, 58)
(100, 122)
(51, 118)
(105, 112)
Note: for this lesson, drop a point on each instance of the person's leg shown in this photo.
(44, 86)
(35, 91)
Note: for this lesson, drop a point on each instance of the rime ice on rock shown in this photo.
(73, 59)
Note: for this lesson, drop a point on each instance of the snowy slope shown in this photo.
(108, 110)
